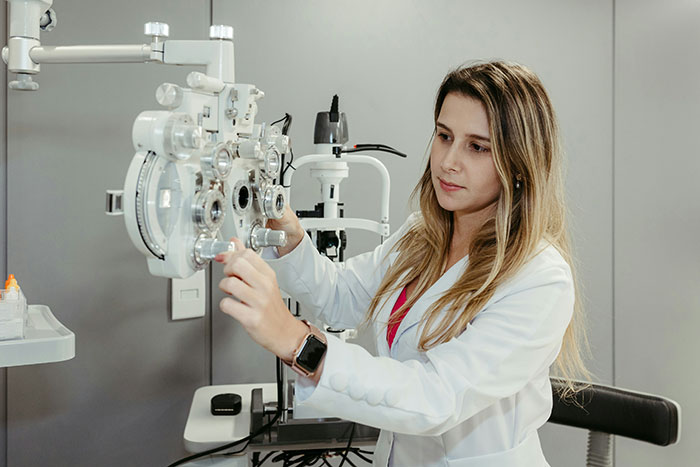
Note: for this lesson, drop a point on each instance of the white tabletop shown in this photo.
(206, 431)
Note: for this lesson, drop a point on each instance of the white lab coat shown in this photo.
(476, 400)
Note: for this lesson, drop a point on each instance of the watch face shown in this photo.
(310, 355)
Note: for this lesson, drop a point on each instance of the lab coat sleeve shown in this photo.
(337, 293)
(511, 341)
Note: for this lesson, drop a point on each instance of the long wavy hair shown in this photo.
(525, 145)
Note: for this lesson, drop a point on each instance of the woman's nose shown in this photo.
(449, 161)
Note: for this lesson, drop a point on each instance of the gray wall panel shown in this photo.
(3, 229)
(386, 60)
(124, 398)
(656, 224)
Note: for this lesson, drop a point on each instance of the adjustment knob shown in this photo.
(261, 237)
(206, 249)
(217, 162)
(270, 166)
(169, 95)
(156, 29)
(24, 82)
(221, 32)
(274, 202)
(193, 138)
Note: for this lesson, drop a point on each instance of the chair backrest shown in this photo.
(622, 412)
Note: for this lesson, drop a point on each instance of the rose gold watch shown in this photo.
(308, 356)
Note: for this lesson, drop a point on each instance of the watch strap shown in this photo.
(315, 332)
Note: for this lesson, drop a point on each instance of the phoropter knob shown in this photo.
(261, 237)
(206, 249)
(221, 32)
(169, 95)
(156, 29)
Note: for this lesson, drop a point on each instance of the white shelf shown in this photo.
(45, 340)
(206, 431)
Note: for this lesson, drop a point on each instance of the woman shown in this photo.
(471, 299)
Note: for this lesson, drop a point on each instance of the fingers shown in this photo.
(239, 289)
(239, 311)
(244, 266)
(250, 255)
(289, 222)
(240, 246)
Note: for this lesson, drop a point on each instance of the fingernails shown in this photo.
(219, 258)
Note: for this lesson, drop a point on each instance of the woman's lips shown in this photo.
(448, 186)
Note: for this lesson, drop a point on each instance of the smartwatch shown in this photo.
(309, 355)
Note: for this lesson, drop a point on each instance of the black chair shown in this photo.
(605, 411)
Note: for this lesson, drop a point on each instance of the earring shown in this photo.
(518, 178)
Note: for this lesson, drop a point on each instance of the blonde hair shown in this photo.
(524, 144)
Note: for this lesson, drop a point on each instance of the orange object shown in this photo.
(11, 282)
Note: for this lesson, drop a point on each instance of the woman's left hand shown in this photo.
(258, 304)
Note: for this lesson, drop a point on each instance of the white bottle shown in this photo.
(12, 312)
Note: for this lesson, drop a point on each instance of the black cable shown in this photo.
(375, 148)
(357, 453)
(279, 457)
(314, 456)
(227, 446)
(288, 166)
(280, 120)
(262, 461)
(345, 455)
(245, 440)
(287, 124)
(373, 145)
(234, 453)
(280, 181)
(287, 119)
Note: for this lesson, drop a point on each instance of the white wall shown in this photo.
(657, 207)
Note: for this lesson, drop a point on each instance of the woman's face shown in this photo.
(461, 164)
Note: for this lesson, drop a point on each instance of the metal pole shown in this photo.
(91, 54)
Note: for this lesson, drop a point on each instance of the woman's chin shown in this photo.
(448, 205)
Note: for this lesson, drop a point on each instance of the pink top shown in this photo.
(391, 330)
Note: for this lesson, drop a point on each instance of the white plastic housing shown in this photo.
(25, 17)
(174, 135)
(172, 215)
(326, 172)
(188, 296)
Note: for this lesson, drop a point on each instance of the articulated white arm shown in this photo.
(24, 52)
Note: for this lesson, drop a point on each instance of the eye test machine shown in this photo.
(203, 171)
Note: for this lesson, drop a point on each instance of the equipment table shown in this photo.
(205, 431)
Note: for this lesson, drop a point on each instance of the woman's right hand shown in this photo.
(290, 224)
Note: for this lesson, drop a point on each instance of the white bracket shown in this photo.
(188, 298)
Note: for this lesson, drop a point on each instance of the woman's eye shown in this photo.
(444, 136)
(479, 148)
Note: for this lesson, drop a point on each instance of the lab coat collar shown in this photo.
(384, 314)
(415, 314)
